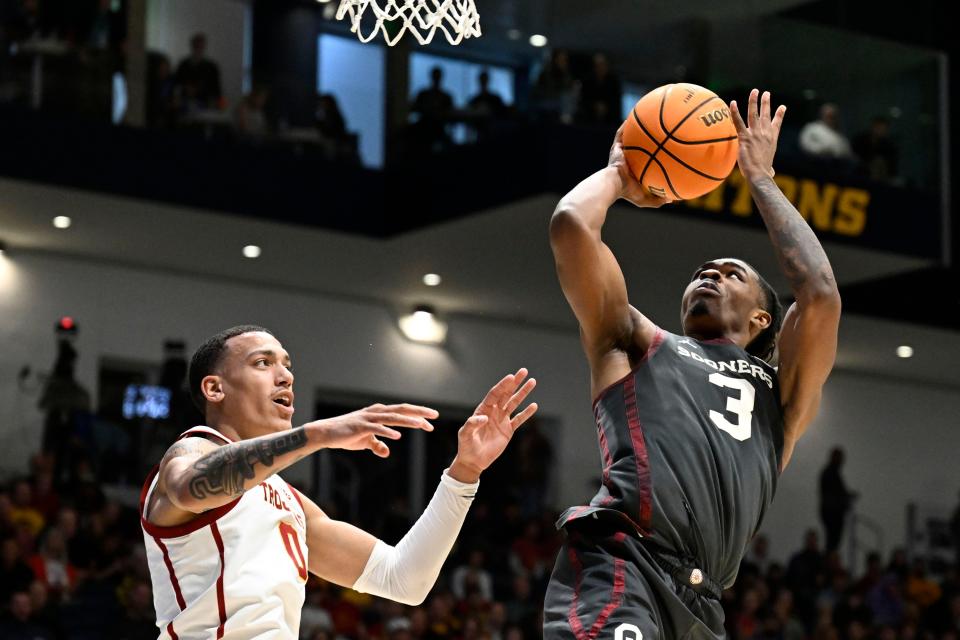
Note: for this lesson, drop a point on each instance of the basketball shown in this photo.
(680, 142)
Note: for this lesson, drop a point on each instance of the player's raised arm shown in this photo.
(589, 274)
(197, 475)
(808, 340)
(348, 556)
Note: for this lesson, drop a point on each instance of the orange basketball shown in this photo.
(680, 142)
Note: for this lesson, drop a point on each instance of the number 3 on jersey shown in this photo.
(291, 540)
(742, 406)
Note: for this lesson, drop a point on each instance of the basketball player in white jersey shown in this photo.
(230, 543)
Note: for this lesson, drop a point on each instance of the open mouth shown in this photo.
(284, 400)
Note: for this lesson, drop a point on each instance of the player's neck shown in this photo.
(223, 427)
(741, 339)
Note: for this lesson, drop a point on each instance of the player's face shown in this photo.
(721, 297)
(256, 382)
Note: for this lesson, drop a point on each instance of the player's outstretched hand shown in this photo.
(630, 188)
(487, 432)
(758, 140)
(363, 429)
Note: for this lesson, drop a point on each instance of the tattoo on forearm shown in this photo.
(801, 256)
(224, 471)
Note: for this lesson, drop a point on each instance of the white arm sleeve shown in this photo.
(407, 572)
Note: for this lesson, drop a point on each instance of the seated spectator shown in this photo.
(137, 620)
(790, 626)
(822, 137)
(877, 155)
(161, 92)
(15, 573)
(51, 566)
(472, 577)
(921, 590)
(250, 116)
(22, 511)
(46, 613)
(17, 625)
(198, 77)
(555, 91)
(337, 143)
(601, 94)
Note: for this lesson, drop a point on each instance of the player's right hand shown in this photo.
(630, 188)
(363, 429)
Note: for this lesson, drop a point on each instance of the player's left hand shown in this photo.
(758, 141)
(487, 432)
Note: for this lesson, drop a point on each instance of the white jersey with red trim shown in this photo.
(234, 572)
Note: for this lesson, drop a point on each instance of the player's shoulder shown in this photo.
(190, 446)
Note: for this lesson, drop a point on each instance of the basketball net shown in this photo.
(457, 19)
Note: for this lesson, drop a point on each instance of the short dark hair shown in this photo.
(207, 358)
(764, 346)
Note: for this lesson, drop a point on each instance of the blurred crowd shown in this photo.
(72, 567)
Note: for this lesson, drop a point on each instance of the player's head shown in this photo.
(727, 296)
(241, 377)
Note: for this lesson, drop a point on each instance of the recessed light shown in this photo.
(538, 40)
(62, 222)
(423, 326)
(905, 351)
(251, 251)
(432, 279)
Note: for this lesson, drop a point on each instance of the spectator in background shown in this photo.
(485, 107)
(921, 590)
(250, 116)
(758, 558)
(17, 625)
(486, 103)
(805, 575)
(136, 620)
(534, 456)
(198, 77)
(22, 511)
(555, 92)
(601, 95)
(51, 566)
(877, 155)
(472, 577)
(15, 574)
(337, 142)
(835, 499)
(434, 108)
(822, 137)
(161, 91)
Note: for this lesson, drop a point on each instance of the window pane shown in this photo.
(354, 73)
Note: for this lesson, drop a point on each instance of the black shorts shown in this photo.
(608, 584)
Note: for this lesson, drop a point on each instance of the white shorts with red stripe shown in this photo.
(235, 572)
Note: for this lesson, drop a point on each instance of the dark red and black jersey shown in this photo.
(690, 443)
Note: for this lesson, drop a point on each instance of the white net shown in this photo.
(457, 19)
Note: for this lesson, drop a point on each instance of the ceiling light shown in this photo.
(538, 40)
(423, 326)
(432, 279)
(251, 251)
(905, 351)
(62, 222)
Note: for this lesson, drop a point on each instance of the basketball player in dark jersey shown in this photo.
(694, 429)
